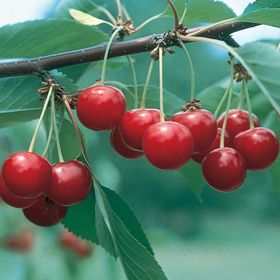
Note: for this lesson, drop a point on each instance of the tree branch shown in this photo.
(96, 53)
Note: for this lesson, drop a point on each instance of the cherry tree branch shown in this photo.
(144, 44)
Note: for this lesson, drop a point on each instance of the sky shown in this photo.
(13, 11)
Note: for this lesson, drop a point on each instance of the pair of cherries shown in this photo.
(43, 191)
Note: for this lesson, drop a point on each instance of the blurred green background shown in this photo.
(229, 236)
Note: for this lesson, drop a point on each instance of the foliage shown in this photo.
(104, 217)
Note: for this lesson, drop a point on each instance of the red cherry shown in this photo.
(259, 147)
(27, 174)
(82, 249)
(168, 145)
(67, 239)
(202, 125)
(21, 242)
(120, 147)
(71, 183)
(101, 107)
(78, 246)
(45, 213)
(199, 156)
(224, 169)
(134, 123)
(238, 121)
(12, 199)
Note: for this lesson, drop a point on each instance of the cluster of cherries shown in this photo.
(42, 190)
(191, 134)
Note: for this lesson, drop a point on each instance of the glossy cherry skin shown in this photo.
(45, 213)
(120, 147)
(168, 145)
(27, 174)
(134, 123)
(101, 107)
(202, 125)
(12, 199)
(259, 146)
(238, 121)
(70, 184)
(224, 169)
(199, 156)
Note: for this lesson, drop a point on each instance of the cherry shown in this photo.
(259, 147)
(45, 212)
(120, 147)
(168, 145)
(202, 125)
(101, 107)
(199, 156)
(224, 169)
(27, 174)
(134, 123)
(21, 242)
(78, 246)
(12, 199)
(238, 121)
(70, 184)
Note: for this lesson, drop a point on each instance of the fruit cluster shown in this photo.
(42, 190)
(193, 133)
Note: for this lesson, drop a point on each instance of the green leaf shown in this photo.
(43, 37)
(207, 11)
(180, 7)
(137, 261)
(262, 12)
(80, 219)
(172, 103)
(124, 212)
(192, 174)
(19, 98)
(262, 61)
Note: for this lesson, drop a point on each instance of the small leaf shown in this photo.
(192, 174)
(87, 19)
(137, 262)
(262, 12)
(80, 219)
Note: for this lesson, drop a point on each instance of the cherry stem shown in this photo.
(119, 7)
(241, 95)
(146, 86)
(48, 139)
(184, 14)
(220, 105)
(222, 142)
(115, 33)
(151, 19)
(192, 73)
(173, 9)
(161, 85)
(121, 85)
(135, 83)
(251, 121)
(34, 137)
(56, 132)
(76, 126)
